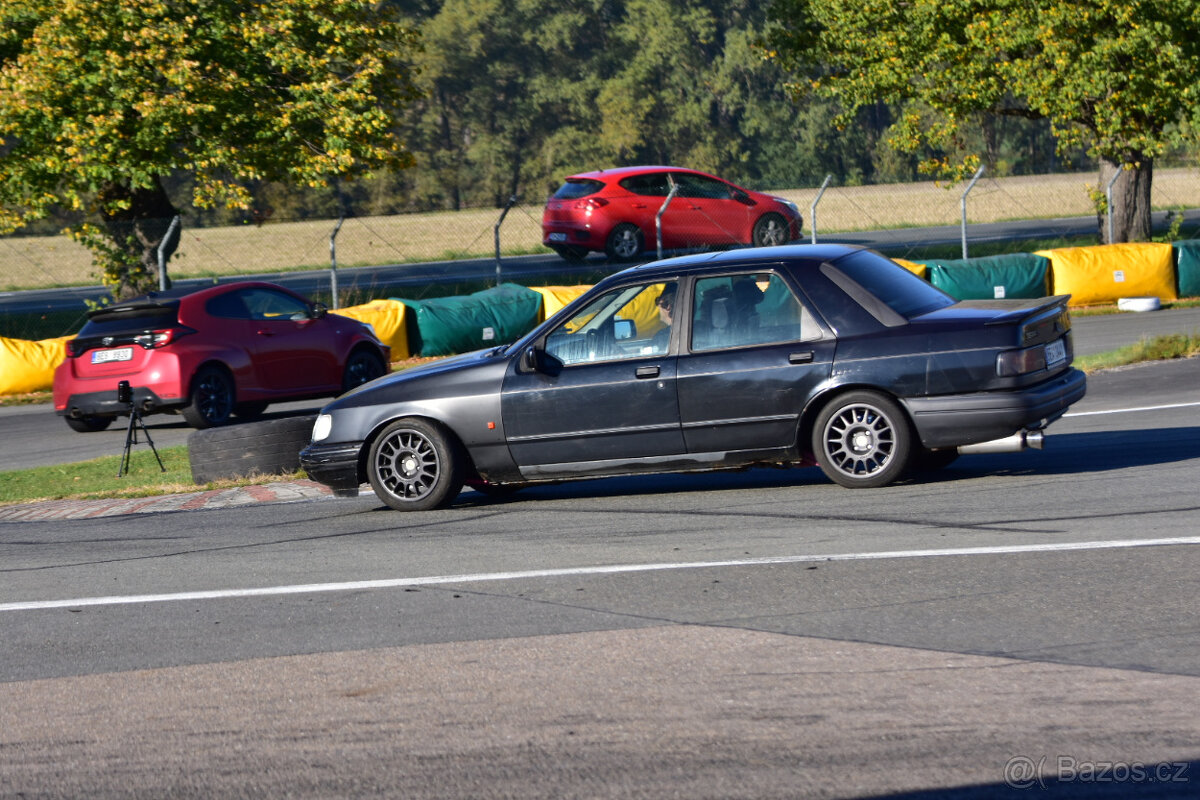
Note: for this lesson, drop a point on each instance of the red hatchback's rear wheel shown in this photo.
(625, 243)
(212, 399)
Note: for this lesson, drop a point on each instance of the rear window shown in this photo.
(118, 320)
(900, 290)
(576, 188)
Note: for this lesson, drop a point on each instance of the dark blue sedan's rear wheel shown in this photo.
(862, 440)
(414, 465)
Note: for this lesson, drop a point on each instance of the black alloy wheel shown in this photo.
(361, 367)
(212, 399)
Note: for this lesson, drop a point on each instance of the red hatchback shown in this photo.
(229, 349)
(615, 211)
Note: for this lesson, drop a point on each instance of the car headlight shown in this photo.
(322, 427)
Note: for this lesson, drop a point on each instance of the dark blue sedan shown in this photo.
(790, 355)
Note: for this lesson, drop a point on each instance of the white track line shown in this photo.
(1128, 410)
(612, 569)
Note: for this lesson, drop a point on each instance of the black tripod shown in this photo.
(125, 395)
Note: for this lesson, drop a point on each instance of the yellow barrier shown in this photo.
(29, 366)
(554, 298)
(387, 318)
(1105, 273)
(918, 269)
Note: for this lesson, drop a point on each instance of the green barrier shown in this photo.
(1187, 267)
(447, 325)
(1020, 275)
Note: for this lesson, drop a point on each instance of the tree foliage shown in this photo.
(1117, 77)
(103, 102)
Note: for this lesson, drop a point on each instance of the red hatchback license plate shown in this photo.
(118, 354)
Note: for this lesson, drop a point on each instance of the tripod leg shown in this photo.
(150, 441)
(130, 438)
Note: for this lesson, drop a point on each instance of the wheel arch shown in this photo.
(829, 392)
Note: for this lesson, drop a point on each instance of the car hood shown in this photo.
(420, 381)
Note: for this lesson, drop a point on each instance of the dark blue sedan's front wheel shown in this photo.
(415, 465)
(862, 440)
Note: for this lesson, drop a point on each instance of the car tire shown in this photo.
(211, 400)
(89, 424)
(570, 253)
(269, 447)
(415, 465)
(862, 440)
(926, 460)
(770, 229)
(362, 366)
(625, 242)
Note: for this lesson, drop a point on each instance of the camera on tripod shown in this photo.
(125, 398)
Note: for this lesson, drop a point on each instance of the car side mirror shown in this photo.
(319, 310)
(624, 329)
(535, 359)
(744, 199)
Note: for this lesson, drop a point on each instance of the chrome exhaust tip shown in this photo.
(1021, 440)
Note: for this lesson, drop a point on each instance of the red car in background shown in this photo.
(614, 211)
(209, 354)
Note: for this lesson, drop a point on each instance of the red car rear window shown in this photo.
(575, 189)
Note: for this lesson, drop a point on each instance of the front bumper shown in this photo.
(961, 419)
(335, 465)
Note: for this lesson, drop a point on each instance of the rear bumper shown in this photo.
(954, 420)
(104, 404)
(335, 465)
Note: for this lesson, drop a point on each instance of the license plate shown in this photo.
(1056, 352)
(558, 237)
(119, 354)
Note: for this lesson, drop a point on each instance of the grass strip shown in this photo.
(1158, 348)
(97, 479)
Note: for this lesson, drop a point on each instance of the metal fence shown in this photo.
(881, 215)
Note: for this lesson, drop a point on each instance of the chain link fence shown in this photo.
(280, 245)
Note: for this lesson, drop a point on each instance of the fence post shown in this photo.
(162, 261)
(812, 210)
(1108, 200)
(333, 285)
(963, 202)
(512, 201)
(658, 217)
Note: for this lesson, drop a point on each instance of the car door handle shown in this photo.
(647, 372)
(801, 358)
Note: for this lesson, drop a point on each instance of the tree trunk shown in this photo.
(136, 232)
(1130, 200)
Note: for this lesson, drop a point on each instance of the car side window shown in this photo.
(651, 185)
(227, 306)
(702, 187)
(624, 324)
(267, 305)
(748, 309)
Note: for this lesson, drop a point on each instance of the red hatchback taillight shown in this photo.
(590, 203)
(160, 338)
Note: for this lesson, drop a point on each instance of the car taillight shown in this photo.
(74, 348)
(161, 337)
(1020, 362)
(588, 203)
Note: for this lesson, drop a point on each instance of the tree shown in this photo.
(102, 100)
(1119, 77)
